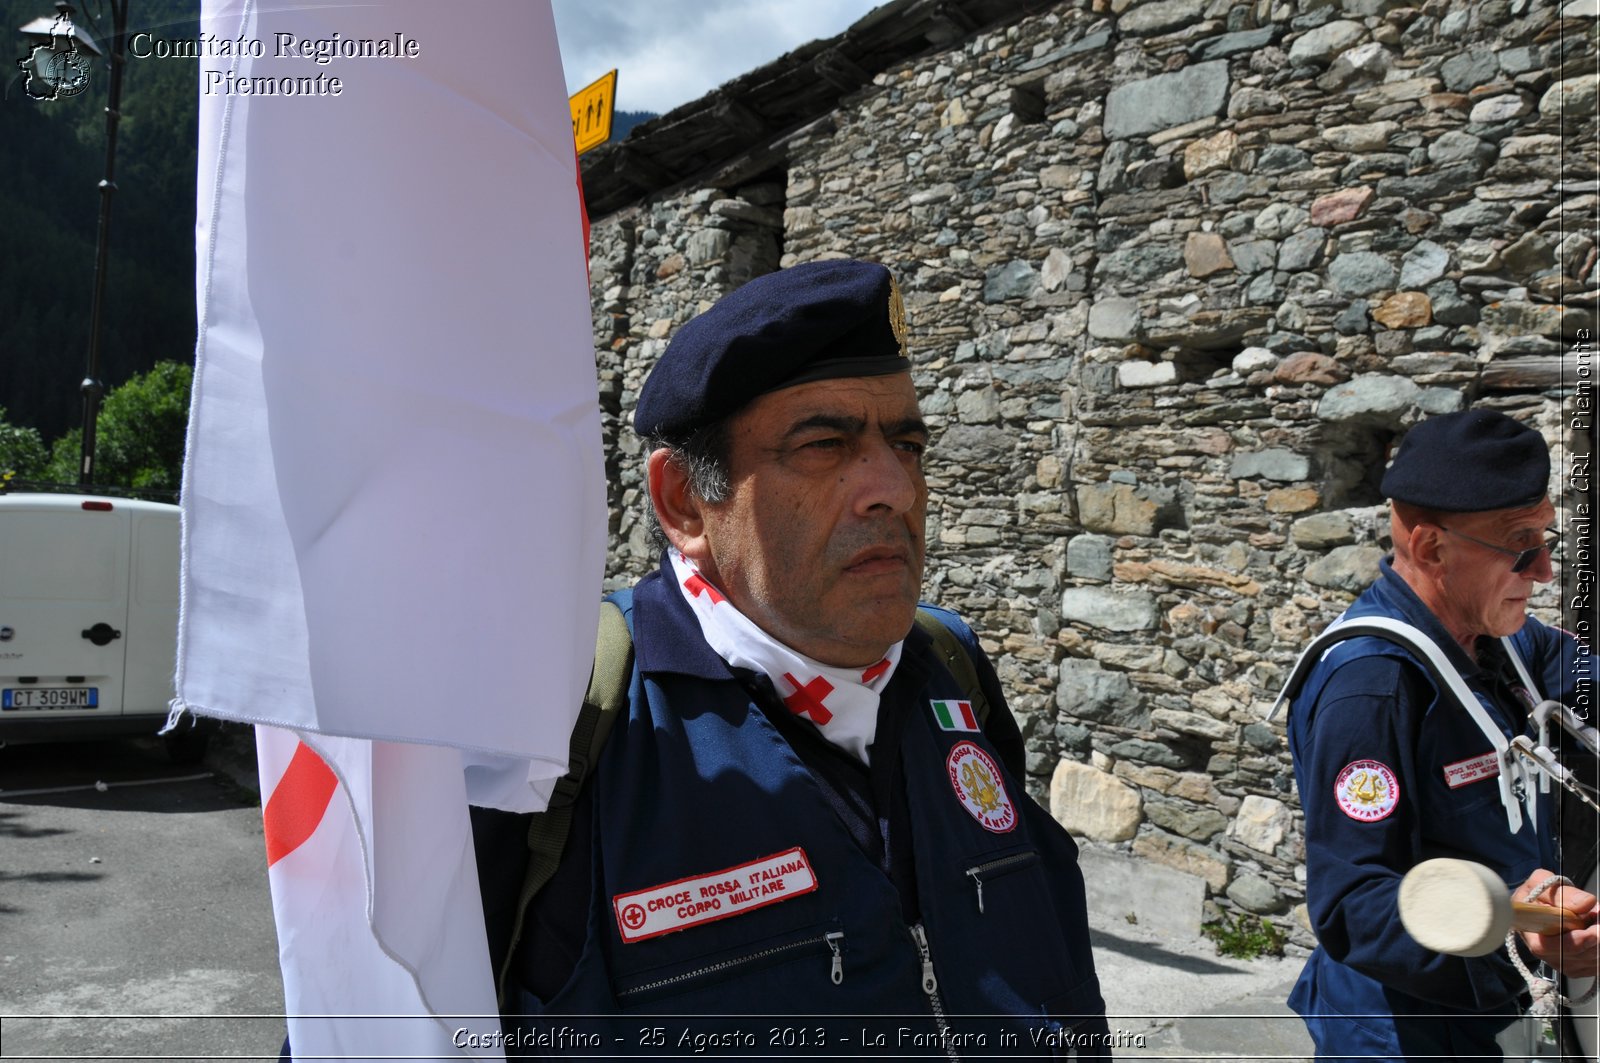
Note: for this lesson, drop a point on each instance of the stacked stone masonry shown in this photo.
(1177, 275)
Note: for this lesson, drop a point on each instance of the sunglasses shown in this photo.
(1523, 558)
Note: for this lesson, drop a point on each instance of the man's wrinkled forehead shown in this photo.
(851, 425)
(1511, 521)
(887, 405)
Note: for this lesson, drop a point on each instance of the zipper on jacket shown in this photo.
(930, 986)
(977, 873)
(833, 939)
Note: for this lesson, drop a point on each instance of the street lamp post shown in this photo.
(60, 63)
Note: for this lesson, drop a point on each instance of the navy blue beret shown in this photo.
(815, 321)
(1469, 462)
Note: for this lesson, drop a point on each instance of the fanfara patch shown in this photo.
(897, 317)
(976, 778)
(1367, 790)
(716, 895)
(1485, 766)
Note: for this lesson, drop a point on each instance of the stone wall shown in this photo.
(1178, 274)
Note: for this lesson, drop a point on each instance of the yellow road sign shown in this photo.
(591, 112)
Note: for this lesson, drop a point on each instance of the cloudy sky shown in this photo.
(669, 52)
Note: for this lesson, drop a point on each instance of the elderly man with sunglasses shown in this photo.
(1393, 769)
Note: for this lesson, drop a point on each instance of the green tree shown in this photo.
(139, 435)
(22, 452)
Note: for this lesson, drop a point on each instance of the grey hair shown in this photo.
(703, 457)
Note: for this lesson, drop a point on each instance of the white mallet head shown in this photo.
(1455, 906)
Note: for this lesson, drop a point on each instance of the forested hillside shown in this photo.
(54, 156)
(624, 121)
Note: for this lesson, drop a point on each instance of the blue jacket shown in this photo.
(703, 782)
(1369, 700)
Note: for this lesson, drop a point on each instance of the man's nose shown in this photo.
(1542, 570)
(886, 479)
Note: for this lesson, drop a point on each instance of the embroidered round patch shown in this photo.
(977, 781)
(1366, 790)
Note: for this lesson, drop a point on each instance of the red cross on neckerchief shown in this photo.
(697, 583)
(875, 671)
(807, 700)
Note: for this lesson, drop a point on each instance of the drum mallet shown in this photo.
(1464, 909)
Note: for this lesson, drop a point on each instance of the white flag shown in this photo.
(420, 988)
(394, 497)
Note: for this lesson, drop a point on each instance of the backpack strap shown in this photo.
(1512, 777)
(605, 698)
(957, 659)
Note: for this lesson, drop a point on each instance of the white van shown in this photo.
(89, 619)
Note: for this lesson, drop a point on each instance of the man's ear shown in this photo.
(1426, 539)
(678, 510)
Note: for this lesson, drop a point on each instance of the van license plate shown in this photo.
(50, 698)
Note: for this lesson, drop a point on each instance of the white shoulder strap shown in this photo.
(1514, 791)
(1522, 669)
(1533, 690)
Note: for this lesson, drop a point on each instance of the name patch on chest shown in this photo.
(715, 895)
(977, 781)
(1367, 790)
(1471, 770)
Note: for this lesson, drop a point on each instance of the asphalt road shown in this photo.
(134, 917)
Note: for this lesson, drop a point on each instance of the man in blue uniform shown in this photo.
(800, 813)
(1392, 769)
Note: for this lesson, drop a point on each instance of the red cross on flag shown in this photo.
(332, 860)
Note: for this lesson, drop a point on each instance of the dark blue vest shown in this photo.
(697, 785)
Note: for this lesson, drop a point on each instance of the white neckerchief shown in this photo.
(841, 702)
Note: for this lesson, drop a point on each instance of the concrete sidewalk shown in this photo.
(1167, 990)
(1173, 997)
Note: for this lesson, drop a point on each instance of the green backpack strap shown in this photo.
(958, 660)
(606, 697)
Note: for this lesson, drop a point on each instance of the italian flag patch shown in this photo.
(954, 715)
